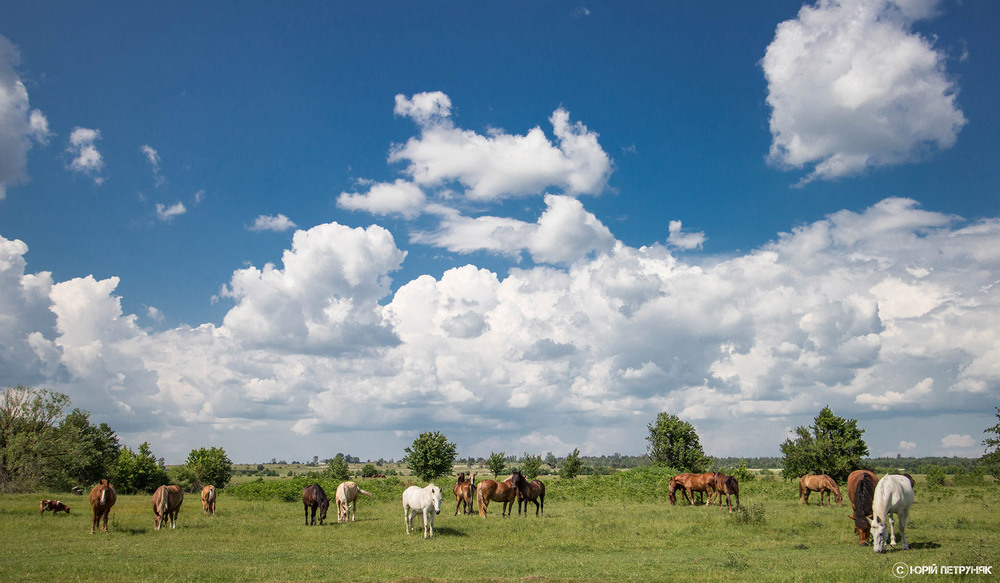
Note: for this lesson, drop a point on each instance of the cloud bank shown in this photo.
(888, 314)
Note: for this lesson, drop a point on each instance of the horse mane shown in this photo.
(864, 495)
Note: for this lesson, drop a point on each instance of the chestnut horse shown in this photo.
(464, 493)
(861, 492)
(534, 493)
(167, 505)
(208, 499)
(505, 492)
(821, 483)
(102, 498)
(691, 483)
(314, 497)
(728, 486)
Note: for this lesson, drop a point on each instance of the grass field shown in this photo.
(587, 534)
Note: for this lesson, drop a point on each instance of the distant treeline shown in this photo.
(609, 463)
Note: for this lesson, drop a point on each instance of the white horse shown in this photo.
(893, 495)
(421, 500)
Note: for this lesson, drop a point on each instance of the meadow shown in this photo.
(599, 528)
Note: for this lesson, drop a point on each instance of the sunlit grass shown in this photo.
(597, 539)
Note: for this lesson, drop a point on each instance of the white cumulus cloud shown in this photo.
(86, 159)
(277, 223)
(852, 86)
(20, 126)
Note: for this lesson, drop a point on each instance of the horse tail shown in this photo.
(480, 502)
(360, 491)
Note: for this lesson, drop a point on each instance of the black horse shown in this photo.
(314, 497)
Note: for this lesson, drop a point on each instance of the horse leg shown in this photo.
(902, 516)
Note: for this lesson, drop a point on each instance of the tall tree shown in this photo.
(337, 468)
(138, 471)
(497, 462)
(210, 466)
(431, 455)
(674, 443)
(991, 459)
(31, 447)
(93, 449)
(832, 445)
(571, 465)
(531, 466)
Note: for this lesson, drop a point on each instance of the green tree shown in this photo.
(674, 443)
(33, 452)
(571, 465)
(531, 466)
(368, 470)
(832, 445)
(138, 471)
(430, 456)
(991, 459)
(337, 468)
(210, 467)
(93, 449)
(497, 462)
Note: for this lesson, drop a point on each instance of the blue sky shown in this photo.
(293, 231)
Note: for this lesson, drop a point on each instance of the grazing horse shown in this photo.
(535, 492)
(102, 498)
(728, 486)
(167, 505)
(505, 492)
(861, 492)
(821, 483)
(54, 505)
(314, 497)
(426, 500)
(208, 499)
(464, 493)
(347, 501)
(691, 483)
(893, 495)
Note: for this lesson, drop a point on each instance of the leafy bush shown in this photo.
(752, 515)
(935, 476)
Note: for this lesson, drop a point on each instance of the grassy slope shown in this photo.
(591, 537)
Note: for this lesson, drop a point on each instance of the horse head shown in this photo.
(324, 505)
(520, 483)
(863, 527)
(435, 497)
(880, 535)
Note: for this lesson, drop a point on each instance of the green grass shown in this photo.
(589, 532)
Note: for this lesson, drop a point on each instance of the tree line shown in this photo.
(43, 447)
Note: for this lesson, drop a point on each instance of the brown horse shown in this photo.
(691, 483)
(102, 498)
(464, 493)
(314, 497)
(505, 492)
(208, 499)
(167, 505)
(728, 486)
(535, 492)
(821, 483)
(861, 491)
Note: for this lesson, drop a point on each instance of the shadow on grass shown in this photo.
(446, 531)
(924, 545)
